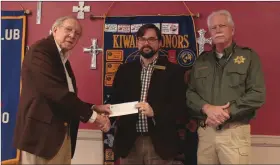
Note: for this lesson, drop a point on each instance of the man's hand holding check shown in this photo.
(120, 110)
(145, 109)
(131, 108)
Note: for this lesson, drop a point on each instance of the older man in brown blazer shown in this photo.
(49, 109)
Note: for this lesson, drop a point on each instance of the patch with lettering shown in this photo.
(109, 154)
(112, 67)
(170, 28)
(111, 28)
(186, 58)
(123, 28)
(135, 27)
(109, 78)
(114, 55)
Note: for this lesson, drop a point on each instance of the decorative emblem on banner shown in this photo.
(201, 40)
(93, 50)
(123, 28)
(114, 55)
(111, 28)
(170, 28)
(109, 154)
(109, 79)
(81, 9)
(112, 67)
(186, 58)
(239, 60)
(135, 27)
(109, 140)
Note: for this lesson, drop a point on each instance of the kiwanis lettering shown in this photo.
(175, 41)
(168, 41)
(124, 41)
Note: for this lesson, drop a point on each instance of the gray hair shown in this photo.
(221, 12)
(59, 21)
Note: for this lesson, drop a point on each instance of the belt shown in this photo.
(225, 125)
(143, 133)
(232, 124)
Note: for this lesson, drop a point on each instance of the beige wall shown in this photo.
(265, 149)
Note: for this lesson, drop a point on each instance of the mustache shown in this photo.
(146, 46)
(219, 35)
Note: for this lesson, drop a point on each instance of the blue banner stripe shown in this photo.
(12, 13)
(12, 52)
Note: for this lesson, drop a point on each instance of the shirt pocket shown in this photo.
(202, 78)
(236, 76)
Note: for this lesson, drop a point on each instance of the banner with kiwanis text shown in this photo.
(120, 46)
(13, 29)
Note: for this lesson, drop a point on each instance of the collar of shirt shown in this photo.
(219, 55)
(64, 57)
(150, 64)
(227, 51)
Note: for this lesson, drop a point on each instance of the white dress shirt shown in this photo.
(64, 58)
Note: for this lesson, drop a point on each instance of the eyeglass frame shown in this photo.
(69, 30)
(144, 40)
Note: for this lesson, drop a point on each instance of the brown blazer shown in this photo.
(166, 96)
(46, 107)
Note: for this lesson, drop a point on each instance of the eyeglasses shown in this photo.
(69, 30)
(220, 26)
(149, 40)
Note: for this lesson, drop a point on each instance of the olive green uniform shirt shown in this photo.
(236, 78)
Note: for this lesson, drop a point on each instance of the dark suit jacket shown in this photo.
(46, 107)
(166, 96)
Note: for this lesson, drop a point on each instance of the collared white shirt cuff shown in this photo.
(93, 117)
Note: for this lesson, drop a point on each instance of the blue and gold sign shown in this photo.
(186, 58)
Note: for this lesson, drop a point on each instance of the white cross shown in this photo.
(201, 40)
(93, 50)
(81, 9)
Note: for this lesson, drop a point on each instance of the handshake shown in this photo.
(102, 118)
(103, 112)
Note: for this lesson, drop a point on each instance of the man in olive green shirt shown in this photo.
(226, 88)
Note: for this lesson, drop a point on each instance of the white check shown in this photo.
(123, 109)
